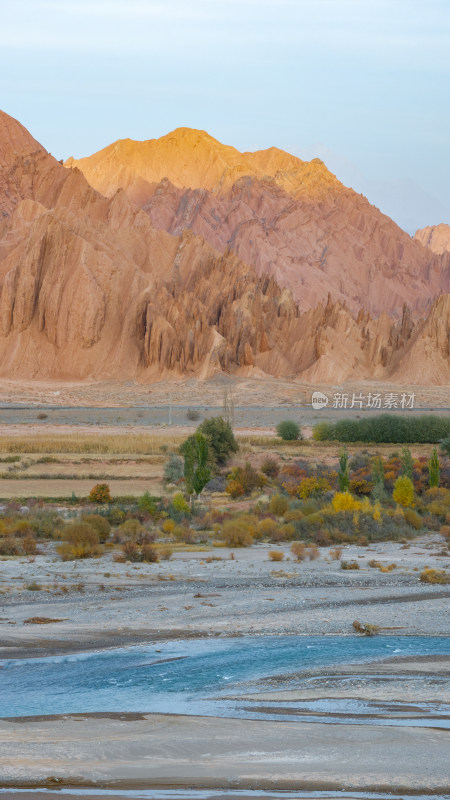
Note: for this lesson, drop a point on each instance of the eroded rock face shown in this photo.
(290, 219)
(436, 237)
(91, 289)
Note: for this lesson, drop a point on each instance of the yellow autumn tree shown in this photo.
(344, 501)
(403, 493)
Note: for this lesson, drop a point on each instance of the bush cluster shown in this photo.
(289, 430)
(79, 540)
(243, 480)
(390, 428)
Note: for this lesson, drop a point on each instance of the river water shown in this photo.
(196, 677)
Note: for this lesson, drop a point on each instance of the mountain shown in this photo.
(91, 289)
(425, 356)
(436, 237)
(288, 218)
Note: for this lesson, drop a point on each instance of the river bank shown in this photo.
(175, 751)
(98, 603)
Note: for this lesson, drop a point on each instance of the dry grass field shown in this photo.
(49, 465)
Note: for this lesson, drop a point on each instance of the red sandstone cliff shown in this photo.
(90, 289)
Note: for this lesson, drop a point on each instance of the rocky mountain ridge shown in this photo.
(436, 237)
(288, 218)
(90, 290)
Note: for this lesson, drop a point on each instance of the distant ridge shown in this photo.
(436, 237)
(288, 218)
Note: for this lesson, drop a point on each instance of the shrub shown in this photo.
(130, 530)
(100, 524)
(100, 494)
(349, 565)
(80, 540)
(165, 552)
(180, 504)
(403, 493)
(45, 523)
(9, 546)
(323, 432)
(131, 551)
(21, 527)
(193, 414)
(237, 532)
(434, 576)
(322, 538)
(283, 533)
(288, 430)
(149, 553)
(336, 553)
(344, 501)
(276, 555)
(185, 534)
(168, 526)
(235, 489)
(413, 518)
(312, 552)
(438, 502)
(147, 503)
(298, 550)
(115, 515)
(248, 477)
(313, 487)
(361, 487)
(445, 445)
(270, 467)
(266, 528)
(278, 505)
(293, 514)
(445, 532)
(387, 567)
(173, 469)
(29, 545)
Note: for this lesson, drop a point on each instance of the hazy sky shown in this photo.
(365, 84)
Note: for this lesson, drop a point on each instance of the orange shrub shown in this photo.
(276, 555)
(298, 550)
(235, 489)
(100, 493)
(434, 576)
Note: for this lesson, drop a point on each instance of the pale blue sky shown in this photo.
(362, 83)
